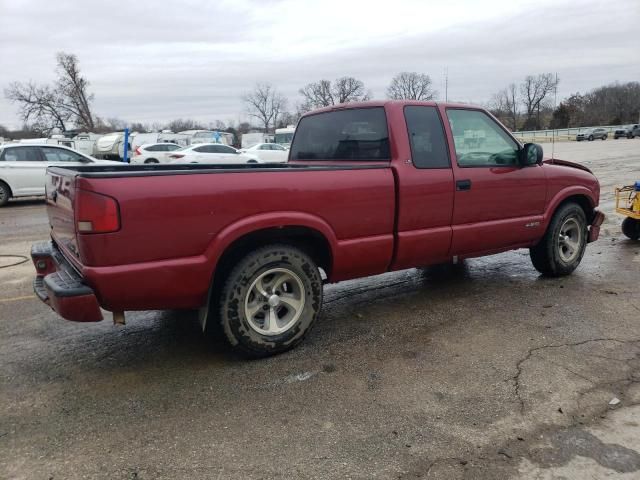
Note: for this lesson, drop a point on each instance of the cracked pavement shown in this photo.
(483, 370)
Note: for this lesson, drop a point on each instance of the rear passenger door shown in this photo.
(499, 204)
(24, 170)
(425, 188)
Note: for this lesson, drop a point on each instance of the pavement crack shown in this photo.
(519, 365)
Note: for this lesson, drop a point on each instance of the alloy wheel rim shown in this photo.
(569, 240)
(274, 301)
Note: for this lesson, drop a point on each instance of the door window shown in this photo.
(53, 154)
(479, 140)
(22, 154)
(224, 149)
(428, 144)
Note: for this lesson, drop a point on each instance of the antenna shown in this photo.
(555, 106)
(446, 84)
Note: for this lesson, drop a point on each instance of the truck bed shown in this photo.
(176, 220)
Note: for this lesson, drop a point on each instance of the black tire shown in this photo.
(631, 135)
(604, 137)
(549, 256)
(631, 228)
(5, 194)
(151, 160)
(591, 138)
(239, 292)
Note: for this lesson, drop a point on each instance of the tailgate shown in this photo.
(60, 197)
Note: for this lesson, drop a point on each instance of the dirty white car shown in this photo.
(23, 167)
(268, 152)
(212, 153)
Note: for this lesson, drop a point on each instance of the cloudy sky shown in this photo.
(155, 61)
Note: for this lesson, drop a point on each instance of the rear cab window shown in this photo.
(359, 134)
(426, 137)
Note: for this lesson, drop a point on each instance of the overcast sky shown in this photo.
(155, 61)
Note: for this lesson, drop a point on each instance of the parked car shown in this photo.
(23, 167)
(268, 152)
(245, 245)
(592, 133)
(630, 131)
(154, 153)
(211, 153)
(253, 138)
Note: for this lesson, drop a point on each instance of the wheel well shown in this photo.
(151, 160)
(584, 203)
(8, 186)
(310, 241)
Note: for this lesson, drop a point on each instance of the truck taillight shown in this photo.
(96, 213)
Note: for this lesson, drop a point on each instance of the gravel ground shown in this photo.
(480, 371)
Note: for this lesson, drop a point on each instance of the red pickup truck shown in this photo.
(369, 187)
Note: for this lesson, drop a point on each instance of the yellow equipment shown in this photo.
(628, 204)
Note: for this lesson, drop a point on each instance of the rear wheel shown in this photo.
(270, 300)
(631, 228)
(5, 194)
(604, 137)
(591, 138)
(562, 247)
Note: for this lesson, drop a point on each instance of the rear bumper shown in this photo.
(58, 285)
(594, 228)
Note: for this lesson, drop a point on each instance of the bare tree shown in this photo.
(48, 107)
(504, 104)
(535, 93)
(39, 105)
(324, 93)
(265, 104)
(181, 124)
(411, 86)
(72, 88)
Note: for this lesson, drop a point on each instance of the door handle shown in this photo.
(463, 185)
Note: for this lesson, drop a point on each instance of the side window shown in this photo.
(171, 148)
(348, 135)
(224, 149)
(22, 154)
(154, 148)
(275, 146)
(479, 141)
(264, 147)
(428, 143)
(201, 149)
(53, 154)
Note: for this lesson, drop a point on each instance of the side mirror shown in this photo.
(531, 154)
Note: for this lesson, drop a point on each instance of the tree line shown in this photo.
(528, 105)
(531, 105)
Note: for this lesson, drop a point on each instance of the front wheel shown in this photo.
(562, 247)
(270, 300)
(604, 137)
(5, 194)
(591, 138)
(631, 228)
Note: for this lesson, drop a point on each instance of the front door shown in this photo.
(498, 203)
